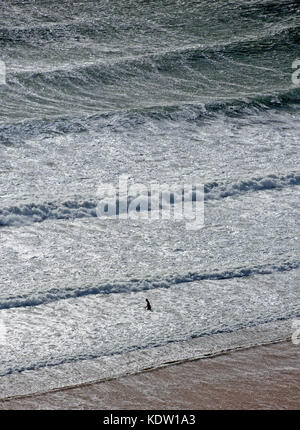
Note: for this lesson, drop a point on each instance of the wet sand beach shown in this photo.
(263, 377)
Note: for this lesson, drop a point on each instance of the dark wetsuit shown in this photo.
(148, 307)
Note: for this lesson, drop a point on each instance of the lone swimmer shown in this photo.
(148, 306)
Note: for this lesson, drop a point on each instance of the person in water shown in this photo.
(148, 306)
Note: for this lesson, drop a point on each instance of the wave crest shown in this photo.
(83, 208)
(135, 285)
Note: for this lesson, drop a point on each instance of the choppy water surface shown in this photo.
(162, 92)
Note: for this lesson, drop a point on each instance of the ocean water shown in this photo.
(163, 92)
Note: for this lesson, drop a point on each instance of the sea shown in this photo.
(162, 93)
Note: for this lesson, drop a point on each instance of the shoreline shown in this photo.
(90, 371)
(259, 377)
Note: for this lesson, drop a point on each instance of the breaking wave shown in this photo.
(135, 285)
(29, 213)
(16, 132)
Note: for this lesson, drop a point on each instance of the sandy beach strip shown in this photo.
(263, 377)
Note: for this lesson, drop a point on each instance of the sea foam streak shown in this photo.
(136, 285)
(29, 213)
